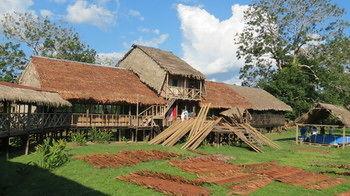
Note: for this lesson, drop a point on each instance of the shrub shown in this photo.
(100, 136)
(79, 139)
(53, 153)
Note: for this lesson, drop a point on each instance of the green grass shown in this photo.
(78, 178)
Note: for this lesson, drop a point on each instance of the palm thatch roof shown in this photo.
(260, 99)
(170, 62)
(222, 95)
(76, 81)
(324, 113)
(14, 93)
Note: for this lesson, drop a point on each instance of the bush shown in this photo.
(79, 139)
(53, 153)
(100, 136)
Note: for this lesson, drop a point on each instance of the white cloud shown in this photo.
(136, 14)
(59, 1)
(110, 59)
(7, 6)
(90, 13)
(46, 13)
(154, 42)
(147, 30)
(234, 80)
(208, 43)
(154, 38)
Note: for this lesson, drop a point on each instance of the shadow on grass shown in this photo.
(285, 139)
(28, 179)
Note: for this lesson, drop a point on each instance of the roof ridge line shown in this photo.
(72, 61)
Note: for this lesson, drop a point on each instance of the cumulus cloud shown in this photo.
(7, 6)
(154, 38)
(136, 14)
(109, 59)
(208, 42)
(46, 13)
(90, 13)
(154, 42)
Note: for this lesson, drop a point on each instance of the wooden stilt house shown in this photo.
(266, 111)
(103, 97)
(24, 110)
(168, 75)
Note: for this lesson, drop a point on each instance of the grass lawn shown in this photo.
(78, 178)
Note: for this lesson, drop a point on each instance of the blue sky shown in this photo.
(192, 29)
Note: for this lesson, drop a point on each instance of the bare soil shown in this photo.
(125, 158)
(165, 183)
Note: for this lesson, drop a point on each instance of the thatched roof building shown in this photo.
(223, 96)
(261, 100)
(76, 81)
(323, 113)
(14, 93)
(153, 65)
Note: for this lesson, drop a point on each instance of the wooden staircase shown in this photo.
(155, 112)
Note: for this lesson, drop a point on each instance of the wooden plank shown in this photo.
(241, 136)
(165, 134)
(180, 133)
(204, 134)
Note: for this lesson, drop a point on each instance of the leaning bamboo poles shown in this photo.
(197, 129)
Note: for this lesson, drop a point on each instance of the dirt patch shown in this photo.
(206, 165)
(165, 183)
(125, 158)
(249, 186)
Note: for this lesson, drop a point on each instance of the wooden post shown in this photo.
(343, 137)
(137, 113)
(7, 145)
(27, 144)
(297, 134)
(166, 85)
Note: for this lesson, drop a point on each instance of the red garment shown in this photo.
(173, 114)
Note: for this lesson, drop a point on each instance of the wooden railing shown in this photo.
(183, 93)
(153, 110)
(19, 123)
(109, 120)
(24, 123)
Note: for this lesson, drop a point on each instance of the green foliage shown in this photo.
(46, 38)
(294, 87)
(12, 61)
(53, 153)
(78, 138)
(99, 136)
(278, 31)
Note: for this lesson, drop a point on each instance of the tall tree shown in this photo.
(46, 38)
(12, 61)
(276, 31)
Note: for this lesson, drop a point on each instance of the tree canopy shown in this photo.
(42, 37)
(296, 50)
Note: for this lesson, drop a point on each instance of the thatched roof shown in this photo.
(78, 81)
(15, 93)
(322, 112)
(260, 99)
(222, 95)
(170, 62)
